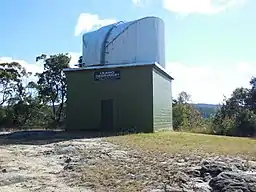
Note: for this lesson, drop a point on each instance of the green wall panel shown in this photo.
(132, 96)
(162, 102)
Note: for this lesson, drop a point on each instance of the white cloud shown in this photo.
(186, 7)
(88, 22)
(36, 67)
(208, 83)
(74, 58)
(139, 2)
(33, 68)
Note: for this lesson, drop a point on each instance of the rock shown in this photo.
(48, 152)
(156, 190)
(202, 187)
(185, 190)
(234, 181)
(180, 160)
(214, 168)
(240, 166)
(68, 167)
(67, 160)
(207, 176)
(183, 177)
(171, 189)
(4, 171)
(252, 163)
(193, 171)
(64, 150)
(180, 164)
(131, 176)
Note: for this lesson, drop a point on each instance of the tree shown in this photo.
(11, 81)
(185, 116)
(206, 110)
(183, 98)
(51, 83)
(18, 106)
(237, 116)
(252, 99)
(24, 113)
(80, 60)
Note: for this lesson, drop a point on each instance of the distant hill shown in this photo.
(206, 110)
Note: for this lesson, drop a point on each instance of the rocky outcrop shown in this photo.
(234, 181)
(227, 175)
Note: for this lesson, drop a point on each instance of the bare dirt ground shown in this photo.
(40, 167)
(92, 164)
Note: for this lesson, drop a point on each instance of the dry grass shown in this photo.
(109, 176)
(189, 143)
(155, 159)
(154, 162)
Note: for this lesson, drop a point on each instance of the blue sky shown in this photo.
(210, 46)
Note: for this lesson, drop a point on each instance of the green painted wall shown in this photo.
(132, 96)
(162, 102)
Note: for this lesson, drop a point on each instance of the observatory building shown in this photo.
(122, 83)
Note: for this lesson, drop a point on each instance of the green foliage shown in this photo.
(80, 60)
(186, 117)
(237, 115)
(41, 107)
(10, 81)
(206, 110)
(51, 86)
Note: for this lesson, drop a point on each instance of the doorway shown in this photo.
(107, 115)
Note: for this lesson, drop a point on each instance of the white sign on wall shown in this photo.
(106, 75)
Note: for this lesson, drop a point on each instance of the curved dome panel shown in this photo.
(139, 41)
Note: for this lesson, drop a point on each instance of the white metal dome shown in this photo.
(139, 41)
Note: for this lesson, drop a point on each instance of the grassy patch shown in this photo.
(109, 176)
(188, 143)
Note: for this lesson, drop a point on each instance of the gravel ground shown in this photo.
(95, 165)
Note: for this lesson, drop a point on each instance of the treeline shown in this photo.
(42, 104)
(31, 105)
(206, 110)
(236, 116)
